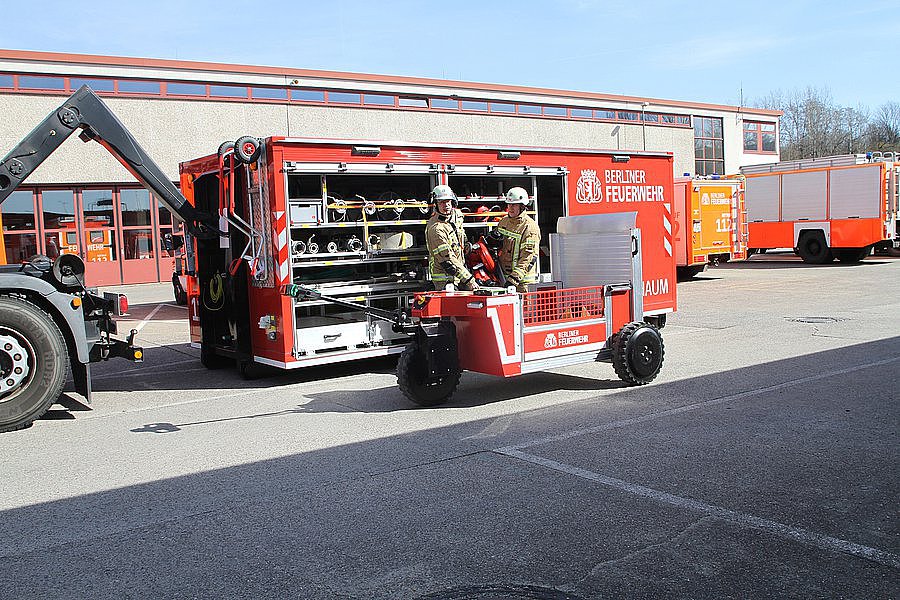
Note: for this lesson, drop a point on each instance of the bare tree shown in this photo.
(814, 125)
(884, 130)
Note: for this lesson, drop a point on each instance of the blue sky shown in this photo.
(696, 51)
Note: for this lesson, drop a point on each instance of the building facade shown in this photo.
(82, 200)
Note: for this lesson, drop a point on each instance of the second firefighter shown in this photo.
(520, 238)
(446, 241)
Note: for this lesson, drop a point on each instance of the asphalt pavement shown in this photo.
(761, 463)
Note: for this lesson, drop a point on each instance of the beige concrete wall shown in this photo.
(172, 131)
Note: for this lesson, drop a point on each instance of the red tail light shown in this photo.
(123, 304)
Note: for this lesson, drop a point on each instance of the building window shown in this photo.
(186, 89)
(266, 93)
(502, 107)
(604, 114)
(709, 155)
(139, 87)
(529, 109)
(307, 95)
(228, 91)
(343, 98)
(98, 85)
(378, 99)
(760, 137)
(32, 82)
(555, 111)
(413, 102)
(474, 105)
(445, 103)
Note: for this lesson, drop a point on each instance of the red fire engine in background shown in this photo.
(825, 208)
(346, 220)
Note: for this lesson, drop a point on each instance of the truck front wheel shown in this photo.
(637, 353)
(416, 385)
(33, 361)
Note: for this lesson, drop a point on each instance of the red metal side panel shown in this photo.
(644, 185)
(772, 235)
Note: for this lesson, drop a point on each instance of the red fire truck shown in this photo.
(825, 208)
(346, 219)
(710, 223)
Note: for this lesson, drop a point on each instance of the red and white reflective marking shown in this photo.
(667, 223)
(281, 245)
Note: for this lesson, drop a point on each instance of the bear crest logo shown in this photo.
(588, 188)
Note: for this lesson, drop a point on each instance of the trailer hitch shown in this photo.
(400, 319)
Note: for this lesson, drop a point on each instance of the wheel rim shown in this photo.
(249, 148)
(645, 353)
(15, 363)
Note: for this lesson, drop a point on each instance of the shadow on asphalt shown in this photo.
(402, 516)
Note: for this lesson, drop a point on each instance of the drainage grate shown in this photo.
(814, 319)
(500, 592)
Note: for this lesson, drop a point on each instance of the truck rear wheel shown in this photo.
(416, 385)
(637, 353)
(33, 361)
(813, 248)
(852, 255)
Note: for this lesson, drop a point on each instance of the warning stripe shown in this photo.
(667, 224)
(281, 244)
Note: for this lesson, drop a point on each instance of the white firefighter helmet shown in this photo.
(443, 192)
(517, 195)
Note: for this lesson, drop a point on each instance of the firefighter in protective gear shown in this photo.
(446, 240)
(521, 238)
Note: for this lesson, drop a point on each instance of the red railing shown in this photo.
(558, 306)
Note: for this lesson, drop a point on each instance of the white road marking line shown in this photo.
(810, 538)
(690, 407)
(494, 429)
(149, 317)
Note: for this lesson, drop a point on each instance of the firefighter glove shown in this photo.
(448, 267)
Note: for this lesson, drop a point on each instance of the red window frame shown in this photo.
(753, 131)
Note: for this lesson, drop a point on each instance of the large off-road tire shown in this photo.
(852, 255)
(687, 273)
(412, 377)
(813, 248)
(33, 363)
(213, 361)
(637, 353)
(247, 149)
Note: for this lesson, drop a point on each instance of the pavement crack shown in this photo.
(649, 547)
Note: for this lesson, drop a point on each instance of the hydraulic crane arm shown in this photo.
(86, 111)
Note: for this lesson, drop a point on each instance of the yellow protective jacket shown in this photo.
(446, 240)
(519, 253)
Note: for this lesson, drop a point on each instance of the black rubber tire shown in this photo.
(247, 149)
(413, 382)
(224, 147)
(637, 353)
(813, 248)
(687, 273)
(179, 292)
(852, 255)
(47, 357)
(213, 361)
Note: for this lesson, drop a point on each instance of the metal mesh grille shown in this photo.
(559, 306)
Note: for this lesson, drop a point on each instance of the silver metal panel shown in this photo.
(804, 195)
(843, 160)
(761, 199)
(590, 250)
(588, 259)
(856, 193)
